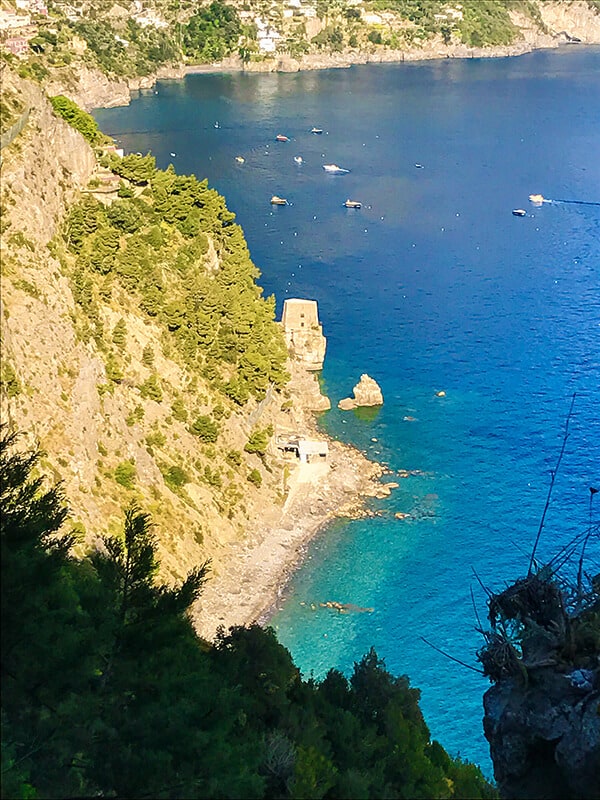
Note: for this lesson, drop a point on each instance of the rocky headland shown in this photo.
(56, 390)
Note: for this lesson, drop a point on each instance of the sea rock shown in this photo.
(366, 393)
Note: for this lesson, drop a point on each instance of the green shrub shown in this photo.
(175, 477)
(234, 458)
(114, 372)
(10, 381)
(125, 474)
(151, 389)
(148, 356)
(259, 441)
(179, 410)
(205, 429)
(212, 477)
(119, 335)
(78, 119)
(156, 438)
(255, 477)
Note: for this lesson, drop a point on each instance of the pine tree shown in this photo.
(119, 334)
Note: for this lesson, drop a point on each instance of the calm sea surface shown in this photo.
(432, 286)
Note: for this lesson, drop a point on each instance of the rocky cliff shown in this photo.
(55, 386)
(542, 713)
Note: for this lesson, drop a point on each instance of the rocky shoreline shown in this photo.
(260, 563)
(93, 89)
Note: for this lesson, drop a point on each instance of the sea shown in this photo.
(482, 328)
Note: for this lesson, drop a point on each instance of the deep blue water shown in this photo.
(433, 285)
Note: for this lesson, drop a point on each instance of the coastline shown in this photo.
(256, 568)
(349, 58)
(259, 566)
(96, 90)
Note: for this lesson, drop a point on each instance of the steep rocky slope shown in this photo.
(109, 444)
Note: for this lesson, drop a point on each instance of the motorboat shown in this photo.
(281, 138)
(240, 159)
(352, 204)
(334, 169)
(519, 212)
(316, 130)
(278, 201)
(536, 199)
(298, 160)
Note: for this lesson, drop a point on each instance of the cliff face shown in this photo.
(542, 714)
(544, 738)
(577, 19)
(55, 381)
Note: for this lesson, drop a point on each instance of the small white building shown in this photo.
(9, 21)
(267, 39)
(306, 450)
(150, 19)
(310, 450)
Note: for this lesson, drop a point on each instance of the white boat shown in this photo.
(519, 212)
(278, 201)
(334, 169)
(240, 159)
(316, 130)
(298, 159)
(352, 204)
(536, 199)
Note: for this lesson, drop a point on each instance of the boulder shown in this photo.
(366, 393)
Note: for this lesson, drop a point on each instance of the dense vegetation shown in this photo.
(212, 33)
(133, 51)
(79, 119)
(170, 244)
(107, 691)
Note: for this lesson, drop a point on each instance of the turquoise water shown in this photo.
(433, 285)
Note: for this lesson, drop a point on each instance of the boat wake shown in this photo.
(538, 199)
(576, 202)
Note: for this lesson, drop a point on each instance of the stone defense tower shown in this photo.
(304, 333)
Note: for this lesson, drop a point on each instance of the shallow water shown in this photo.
(433, 285)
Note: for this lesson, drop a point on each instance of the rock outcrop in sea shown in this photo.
(366, 393)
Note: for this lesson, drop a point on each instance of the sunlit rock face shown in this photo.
(304, 333)
(366, 393)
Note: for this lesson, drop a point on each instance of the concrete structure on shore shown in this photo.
(303, 333)
(306, 450)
